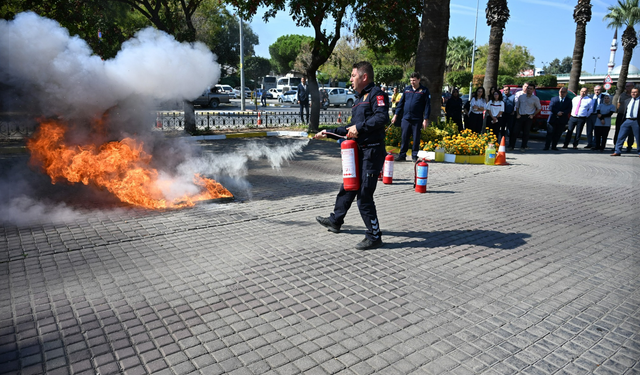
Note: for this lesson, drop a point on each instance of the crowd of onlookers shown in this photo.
(510, 113)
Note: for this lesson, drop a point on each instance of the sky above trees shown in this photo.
(545, 27)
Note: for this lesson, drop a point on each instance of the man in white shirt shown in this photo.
(593, 117)
(630, 123)
(580, 111)
(527, 108)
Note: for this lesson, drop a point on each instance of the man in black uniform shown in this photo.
(413, 111)
(369, 116)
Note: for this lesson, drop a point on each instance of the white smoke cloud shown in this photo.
(37, 54)
(58, 74)
(230, 168)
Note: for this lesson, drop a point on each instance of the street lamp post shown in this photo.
(242, 107)
(595, 59)
(473, 52)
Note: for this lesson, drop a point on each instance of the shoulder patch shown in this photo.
(380, 99)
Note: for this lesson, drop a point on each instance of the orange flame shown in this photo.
(120, 167)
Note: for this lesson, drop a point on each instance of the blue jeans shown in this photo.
(627, 127)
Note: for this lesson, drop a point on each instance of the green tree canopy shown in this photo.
(390, 27)
(256, 67)
(284, 51)
(559, 67)
(388, 74)
(459, 53)
(220, 31)
(513, 59)
(460, 78)
(348, 50)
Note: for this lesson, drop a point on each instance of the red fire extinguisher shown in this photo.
(387, 170)
(349, 152)
(420, 170)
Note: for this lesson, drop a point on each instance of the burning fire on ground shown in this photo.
(122, 167)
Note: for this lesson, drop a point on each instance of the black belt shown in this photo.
(579, 117)
(632, 119)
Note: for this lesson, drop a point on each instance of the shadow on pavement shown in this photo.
(447, 238)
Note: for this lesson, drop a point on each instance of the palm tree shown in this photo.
(626, 13)
(582, 15)
(497, 16)
(459, 52)
(432, 49)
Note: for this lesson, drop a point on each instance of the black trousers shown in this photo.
(304, 105)
(475, 122)
(496, 128)
(554, 132)
(523, 125)
(410, 130)
(370, 161)
(574, 122)
(601, 133)
(456, 120)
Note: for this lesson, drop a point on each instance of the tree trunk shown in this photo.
(314, 119)
(622, 78)
(493, 57)
(578, 53)
(432, 50)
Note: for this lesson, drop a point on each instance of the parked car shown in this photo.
(290, 96)
(275, 92)
(211, 98)
(339, 96)
(247, 92)
(226, 89)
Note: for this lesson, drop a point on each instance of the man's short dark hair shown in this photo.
(364, 67)
(531, 84)
(415, 75)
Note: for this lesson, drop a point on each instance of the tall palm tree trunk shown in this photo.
(497, 16)
(629, 42)
(582, 15)
(493, 57)
(432, 50)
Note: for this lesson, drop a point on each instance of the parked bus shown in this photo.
(288, 83)
(269, 83)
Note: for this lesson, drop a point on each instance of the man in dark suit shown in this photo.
(630, 123)
(593, 117)
(303, 98)
(560, 107)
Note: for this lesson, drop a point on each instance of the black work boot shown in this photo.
(326, 222)
(368, 244)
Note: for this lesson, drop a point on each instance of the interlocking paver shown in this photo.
(528, 268)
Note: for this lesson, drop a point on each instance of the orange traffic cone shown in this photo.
(339, 117)
(501, 158)
(259, 119)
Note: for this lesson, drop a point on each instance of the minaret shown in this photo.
(614, 47)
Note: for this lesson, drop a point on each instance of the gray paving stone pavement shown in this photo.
(530, 268)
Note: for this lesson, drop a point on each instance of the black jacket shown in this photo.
(370, 115)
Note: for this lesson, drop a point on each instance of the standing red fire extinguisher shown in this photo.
(420, 170)
(349, 153)
(387, 170)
